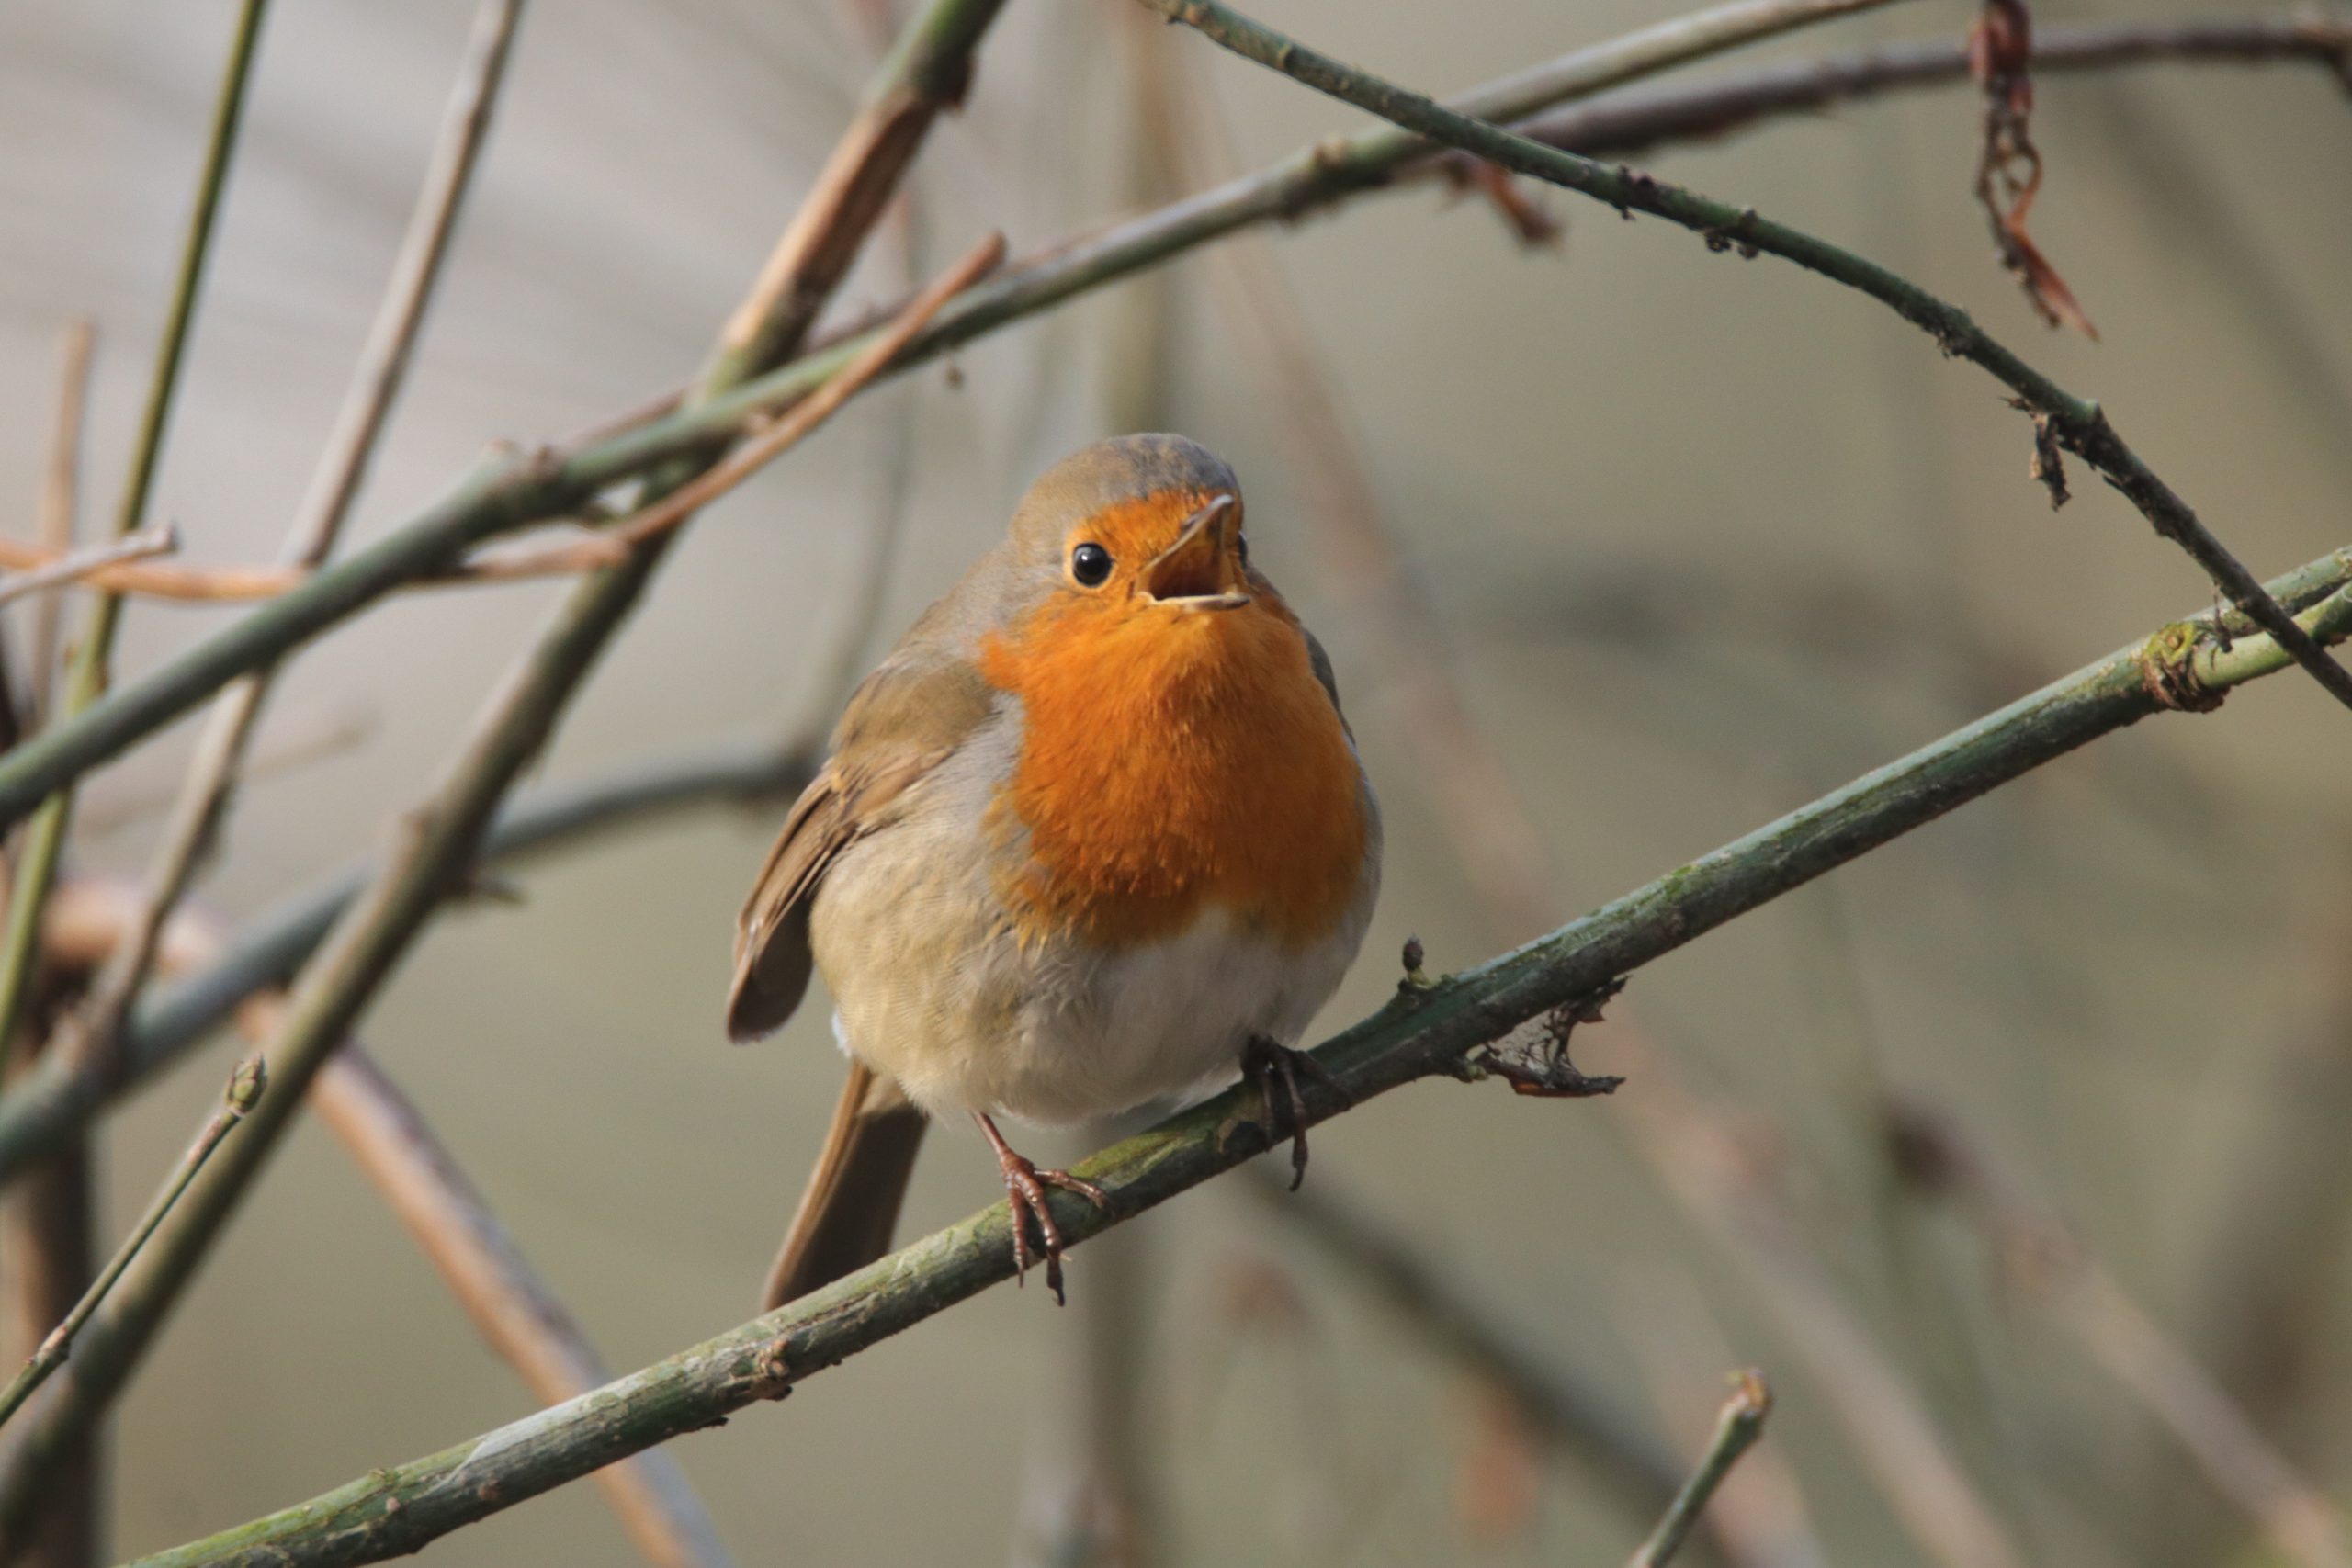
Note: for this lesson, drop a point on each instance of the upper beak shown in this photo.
(1200, 570)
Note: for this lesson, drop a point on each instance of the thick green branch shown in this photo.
(1428, 1030)
(2077, 423)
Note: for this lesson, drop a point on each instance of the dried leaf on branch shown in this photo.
(2008, 170)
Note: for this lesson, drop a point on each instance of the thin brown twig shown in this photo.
(614, 545)
(48, 1257)
(95, 1030)
(510, 1304)
(245, 1091)
(72, 566)
(2122, 1336)
(2063, 420)
(1711, 1162)
(60, 509)
(310, 739)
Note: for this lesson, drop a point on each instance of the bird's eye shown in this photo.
(1241, 549)
(1091, 565)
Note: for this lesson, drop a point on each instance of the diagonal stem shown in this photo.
(1737, 1429)
(2077, 423)
(245, 1091)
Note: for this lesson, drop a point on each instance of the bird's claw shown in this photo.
(1262, 1062)
(1025, 1185)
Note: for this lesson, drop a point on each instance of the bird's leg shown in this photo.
(1025, 1185)
(1262, 1062)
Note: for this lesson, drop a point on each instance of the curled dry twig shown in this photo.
(2009, 169)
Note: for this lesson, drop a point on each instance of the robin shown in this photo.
(1094, 834)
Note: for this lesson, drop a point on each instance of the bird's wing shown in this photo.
(906, 718)
(1320, 663)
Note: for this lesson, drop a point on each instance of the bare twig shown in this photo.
(1707, 1164)
(1627, 123)
(194, 585)
(243, 1093)
(2081, 427)
(1428, 1030)
(506, 1298)
(60, 505)
(441, 838)
(1758, 1517)
(1737, 1429)
(203, 800)
(312, 739)
(613, 546)
(75, 565)
(400, 318)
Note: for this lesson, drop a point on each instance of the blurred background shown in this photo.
(1702, 540)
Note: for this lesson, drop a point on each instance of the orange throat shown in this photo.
(1174, 762)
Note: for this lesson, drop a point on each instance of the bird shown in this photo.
(1092, 836)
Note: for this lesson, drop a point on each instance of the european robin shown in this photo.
(1094, 834)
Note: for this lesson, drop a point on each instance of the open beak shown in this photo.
(1201, 570)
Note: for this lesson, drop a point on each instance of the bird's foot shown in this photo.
(1265, 1065)
(1025, 1186)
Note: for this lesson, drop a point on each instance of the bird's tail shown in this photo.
(851, 1206)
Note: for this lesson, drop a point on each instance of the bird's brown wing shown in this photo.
(906, 718)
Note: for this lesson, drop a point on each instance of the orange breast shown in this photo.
(1172, 762)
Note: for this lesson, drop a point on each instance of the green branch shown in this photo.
(2077, 424)
(1737, 1429)
(1428, 1030)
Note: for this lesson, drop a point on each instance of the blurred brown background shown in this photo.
(1708, 538)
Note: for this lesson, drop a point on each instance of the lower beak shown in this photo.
(1200, 571)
